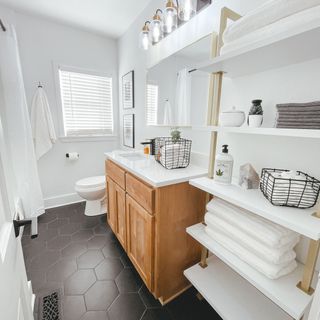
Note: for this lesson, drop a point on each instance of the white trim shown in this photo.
(89, 138)
(62, 200)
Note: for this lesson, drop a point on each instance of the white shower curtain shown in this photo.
(183, 98)
(17, 129)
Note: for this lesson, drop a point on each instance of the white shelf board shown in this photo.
(297, 133)
(276, 51)
(299, 220)
(282, 292)
(232, 297)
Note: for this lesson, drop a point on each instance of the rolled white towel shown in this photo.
(265, 231)
(280, 255)
(272, 271)
(173, 156)
(266, 14)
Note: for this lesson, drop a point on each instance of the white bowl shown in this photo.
(232, 118)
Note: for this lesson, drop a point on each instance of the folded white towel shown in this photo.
(281, 255)
(43, 131)
(266, 14)
(270, 270)
(305, 20)
(265, 231)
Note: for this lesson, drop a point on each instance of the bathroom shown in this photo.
(134, 253)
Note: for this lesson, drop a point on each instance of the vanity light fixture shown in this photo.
(144, 36)
(156, 27)
(187, 9)
(170, 17)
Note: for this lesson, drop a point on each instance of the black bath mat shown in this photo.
(50, 306)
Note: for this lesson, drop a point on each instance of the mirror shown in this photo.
(177, 93)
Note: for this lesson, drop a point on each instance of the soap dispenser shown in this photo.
(223, 166)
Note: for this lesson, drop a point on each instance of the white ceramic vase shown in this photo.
(255, 120)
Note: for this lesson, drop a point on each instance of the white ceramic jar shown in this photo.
(232, 118)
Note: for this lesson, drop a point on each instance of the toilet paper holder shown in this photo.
(72, 155)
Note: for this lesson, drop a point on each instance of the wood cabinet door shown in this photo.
(112, 204)
(121, 215)
(140, 240)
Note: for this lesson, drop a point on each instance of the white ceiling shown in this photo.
(109, 17)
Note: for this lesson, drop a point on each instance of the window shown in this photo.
(152, 104)
(87, 104)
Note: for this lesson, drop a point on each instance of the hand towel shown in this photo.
(265, 231)
(270, 270)
(305, 20)
(266, 14)
(173, 156)
(183, 98)
(43, 131)
(284, 254)
(168, 117)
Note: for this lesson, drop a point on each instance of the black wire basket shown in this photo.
(173, 153)
(298, 193)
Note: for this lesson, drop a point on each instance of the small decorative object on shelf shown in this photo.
(173, 152)
(255, 117)
(175, 134)
(289, 188)
(249, 178)
(223, 166)
(232, 118)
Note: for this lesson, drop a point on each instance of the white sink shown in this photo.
(133, 156)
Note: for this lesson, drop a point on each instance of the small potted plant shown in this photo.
(255, 117)
(175, 134)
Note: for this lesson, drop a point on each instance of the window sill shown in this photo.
(88, 138)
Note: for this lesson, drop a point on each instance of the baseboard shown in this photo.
(62, 200)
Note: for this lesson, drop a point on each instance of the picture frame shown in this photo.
(128, 130)
(128, 90)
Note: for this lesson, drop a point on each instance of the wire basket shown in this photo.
(173, 153)
(298, 193)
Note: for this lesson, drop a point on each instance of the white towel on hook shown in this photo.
(183, 98)
(43, 131)
(168, 117)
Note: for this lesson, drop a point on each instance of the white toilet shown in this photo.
(93, 189)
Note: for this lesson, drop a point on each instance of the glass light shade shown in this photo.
(187, 9)
(144, 40)
(170, 20)
(156, 31)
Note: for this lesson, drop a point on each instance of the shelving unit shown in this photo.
(301, 221)
(295, 133)
(299, 42)
(283, 292)
(238, 290)
(235, 289)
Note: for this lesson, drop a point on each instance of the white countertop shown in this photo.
(152, 172)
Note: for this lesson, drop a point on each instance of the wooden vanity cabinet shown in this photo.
(116, 215)
(140, 236)
(151, 223)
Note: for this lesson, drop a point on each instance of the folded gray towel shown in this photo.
(302, 121)
(303, 104)
(281, 117)
(294, 112)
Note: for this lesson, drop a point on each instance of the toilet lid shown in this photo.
(92, 182)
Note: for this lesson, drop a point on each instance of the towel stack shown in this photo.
(298, 115)
(265, 246)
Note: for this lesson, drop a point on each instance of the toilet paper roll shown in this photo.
(72, 156)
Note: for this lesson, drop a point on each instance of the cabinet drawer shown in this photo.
(116, 174)
(142, 193)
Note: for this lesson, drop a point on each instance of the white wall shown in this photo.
(291, 84)
(42, 43)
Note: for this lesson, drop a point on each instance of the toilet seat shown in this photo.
(91, 183)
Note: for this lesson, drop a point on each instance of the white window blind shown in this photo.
(87, 104)
(152, 104)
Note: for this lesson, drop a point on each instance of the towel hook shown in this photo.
(39, 85)
(2, 26)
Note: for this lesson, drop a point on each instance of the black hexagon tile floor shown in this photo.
(80, 256)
